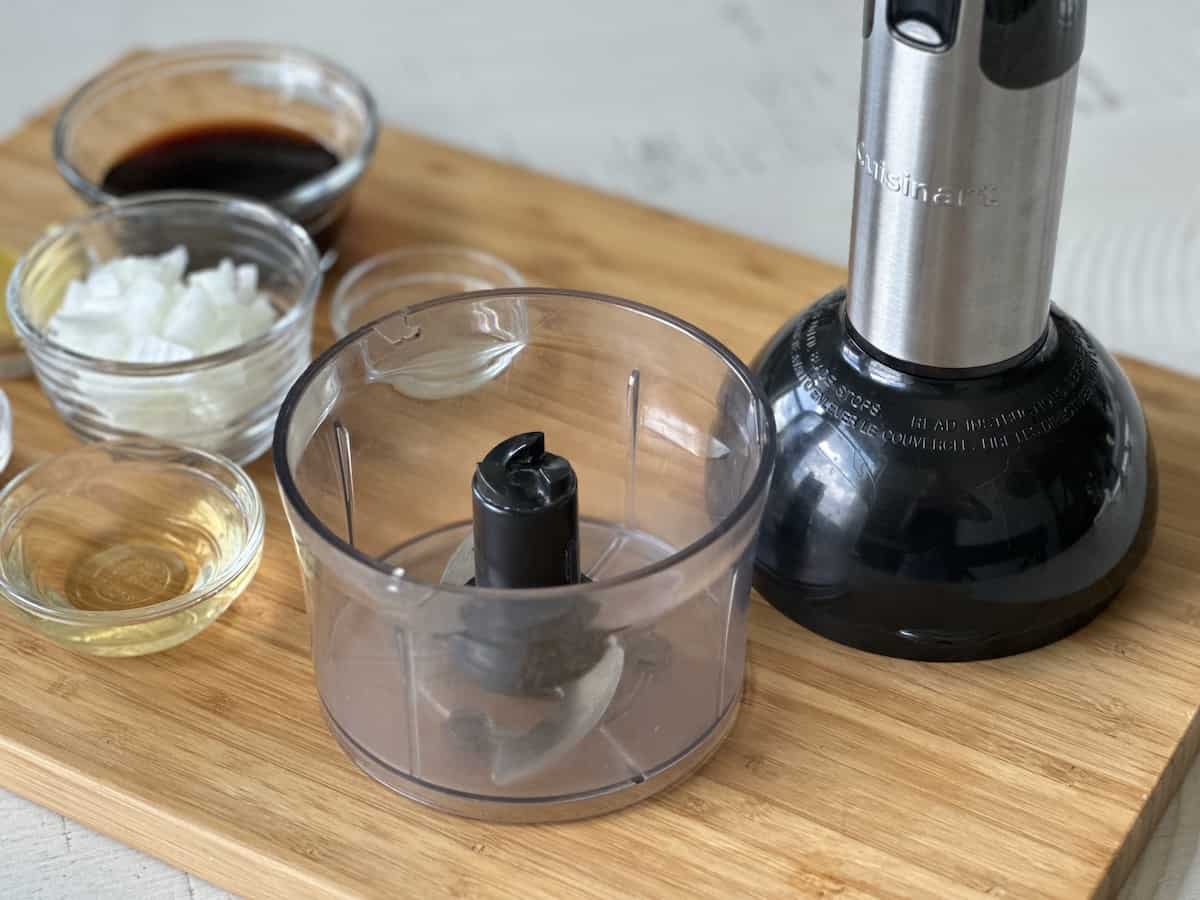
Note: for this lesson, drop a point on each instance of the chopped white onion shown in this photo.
(142, 309)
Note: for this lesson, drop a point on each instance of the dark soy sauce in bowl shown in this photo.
(256, 160)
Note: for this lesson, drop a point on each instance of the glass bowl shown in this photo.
(128, 547)
(6, 431)
(527, 704)
(225, 402)
(191, 87)
(411, 275)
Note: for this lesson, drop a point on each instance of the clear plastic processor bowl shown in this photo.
(225, 402)
(548, 703)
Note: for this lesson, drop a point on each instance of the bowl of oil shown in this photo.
(127, 547)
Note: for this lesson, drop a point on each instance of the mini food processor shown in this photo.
(963, 471)
(526, 520)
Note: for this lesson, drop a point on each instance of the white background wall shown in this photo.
(738, 112)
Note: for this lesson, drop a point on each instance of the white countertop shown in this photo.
(736, 112)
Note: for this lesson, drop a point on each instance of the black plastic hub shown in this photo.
(526, 514)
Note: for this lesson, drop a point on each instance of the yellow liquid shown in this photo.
(121, 544)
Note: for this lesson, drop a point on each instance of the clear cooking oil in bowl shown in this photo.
(130, 557)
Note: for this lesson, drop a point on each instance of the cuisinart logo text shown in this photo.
(931, 195)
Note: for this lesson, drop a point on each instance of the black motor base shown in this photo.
(944, 518)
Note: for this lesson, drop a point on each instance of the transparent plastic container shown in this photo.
(548, 703)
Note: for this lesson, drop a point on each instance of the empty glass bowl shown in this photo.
(225, 402)
(189, 88)
(128, 547)
(411, 275)
(527, 704)
(6, 431)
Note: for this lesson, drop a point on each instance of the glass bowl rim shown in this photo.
(332, 181)
(254, 511)
(293, 499)
(37, 342)
(340, 301)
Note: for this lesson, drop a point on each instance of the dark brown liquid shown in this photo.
(253, 160)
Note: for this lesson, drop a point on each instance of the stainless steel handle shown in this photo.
(964, 126)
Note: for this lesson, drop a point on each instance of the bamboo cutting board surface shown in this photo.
(847, 774)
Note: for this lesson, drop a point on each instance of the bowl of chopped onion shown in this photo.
(185, 317)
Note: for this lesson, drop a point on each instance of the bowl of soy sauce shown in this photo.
(270, 123)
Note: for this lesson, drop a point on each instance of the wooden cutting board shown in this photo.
(846, 774)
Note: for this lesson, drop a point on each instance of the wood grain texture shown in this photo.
(846, 774)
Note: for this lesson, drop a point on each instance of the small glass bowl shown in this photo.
(6, 431)
(189, 87)
(401, 278)
(225, 402)
(127, 547)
